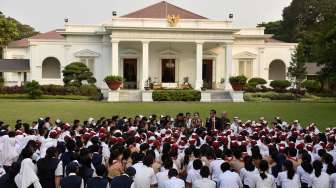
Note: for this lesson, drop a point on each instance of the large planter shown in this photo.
(237, 87)
(114, 85)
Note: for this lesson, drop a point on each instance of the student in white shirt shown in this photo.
(305, 170)
(215, 169)
(333, 180)
(173, 181)
(264, 180)
(248, 173)
(163, 176)
(205, 181)
(194, 173)
(145, 175)
(319, 179)
(229, 179)
(288, 178)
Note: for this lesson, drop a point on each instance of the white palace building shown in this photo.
(163, 42)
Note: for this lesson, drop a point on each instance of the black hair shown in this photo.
(72, 167)
(290, 170)
(328, 159)
(172, 173)
(248, 163)
(218, 153)
(168, 163)
(317, 168)
(225, 166)
(205, 172)
(292, 152)
(263, 167)
(101, 170)
(197, 164)
(51, 152)
(26, 152)
(306, 163)
(148, 160)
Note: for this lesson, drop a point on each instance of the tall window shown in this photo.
(89, 62)
(245, 67)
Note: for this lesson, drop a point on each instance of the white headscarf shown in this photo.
(27, 175)
(8, 153)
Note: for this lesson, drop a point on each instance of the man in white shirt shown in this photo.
(173, 181)
(194, 173)
(205, 181)
(215, 169)
(145, 176)
(229, 179)
(163, 176)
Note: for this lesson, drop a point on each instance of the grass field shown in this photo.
(324, 114)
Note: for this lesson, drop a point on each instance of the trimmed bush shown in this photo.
(312, 85)
(280, 85)
(238, 80)
(12, 90)
(268, 96)
(176, 95)
(33, 89)
(112, 78)
(257, 81)
(2, 81)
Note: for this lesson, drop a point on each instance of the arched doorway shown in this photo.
(51, 68)
(277, 70)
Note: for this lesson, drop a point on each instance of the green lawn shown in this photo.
(322, 113)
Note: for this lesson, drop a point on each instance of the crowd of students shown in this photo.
(166, 152)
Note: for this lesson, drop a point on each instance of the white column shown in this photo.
(199, 62)
(145, 59)
(19, 81)
(115, 57)
(228, 66)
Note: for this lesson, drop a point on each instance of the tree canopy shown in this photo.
(76, 73)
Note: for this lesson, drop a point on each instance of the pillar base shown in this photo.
(147, 96)
(237, 96)
(113, 96)
(205, 96)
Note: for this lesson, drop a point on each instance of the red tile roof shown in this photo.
(53, 35)
(162, 10)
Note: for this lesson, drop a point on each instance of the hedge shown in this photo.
(312, 85)
(257, 81)
(176, 95)
(268, 96)
(280, 85)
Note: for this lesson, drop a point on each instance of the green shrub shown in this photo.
(2, 81)
(76, 73)
(33, 89)
(312, 85)
(176, 95)
(257, 81)
(280, 85)
(269, 96)
(238, 80)
(113, 78)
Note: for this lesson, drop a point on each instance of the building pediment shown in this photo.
(86, 53)
(169, 52)
(245, 55)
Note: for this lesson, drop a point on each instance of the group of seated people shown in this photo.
(166, 152)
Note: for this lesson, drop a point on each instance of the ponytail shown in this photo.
(263, 175)
(317, 167)
(290, 170)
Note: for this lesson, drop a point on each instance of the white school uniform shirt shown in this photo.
(333, 180)
(161, 177)
(248, 177)
(174, 183)
(230, 179)
(284, 182)
(204, 183)
(323, 181)
(268, 182)
(144, 177)
(215, 169)
(193, 175)
(303, 175)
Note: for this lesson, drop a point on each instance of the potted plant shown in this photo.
(113, 82)
(238, 82)
(148, 84)
(186, 84)
(204, 86)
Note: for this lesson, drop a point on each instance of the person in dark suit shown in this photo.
(213, 122)
(100, 181)
(125, 180)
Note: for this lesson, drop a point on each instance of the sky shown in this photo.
(45, 15)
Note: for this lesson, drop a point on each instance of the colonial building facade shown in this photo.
(162, 42)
